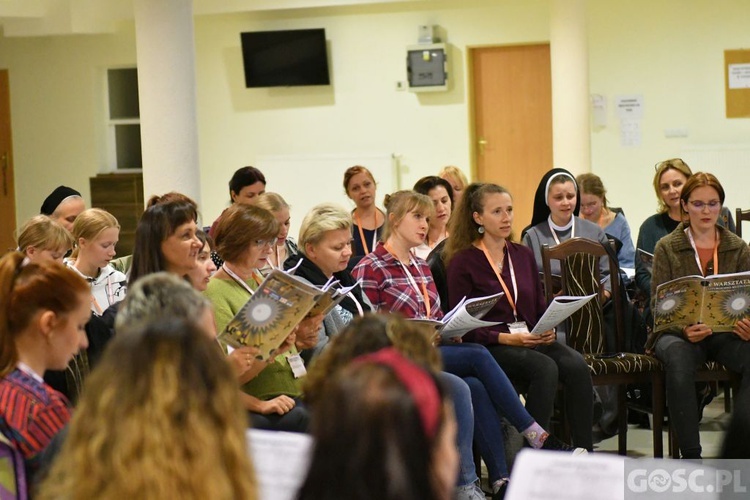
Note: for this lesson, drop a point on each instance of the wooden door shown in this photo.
(7, 191)
(512, 106)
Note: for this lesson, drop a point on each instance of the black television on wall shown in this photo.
(285, 58)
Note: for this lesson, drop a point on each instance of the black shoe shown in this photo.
(554, 444)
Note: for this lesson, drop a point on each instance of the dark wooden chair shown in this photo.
(607, 359)
(741, 215)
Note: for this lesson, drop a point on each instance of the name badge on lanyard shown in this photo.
(297, 365)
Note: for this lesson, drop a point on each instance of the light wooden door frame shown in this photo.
(7, 186)
(511, 122)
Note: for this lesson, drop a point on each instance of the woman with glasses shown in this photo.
(245, 236)
(284, 246)
(699, 246)
(594, 209)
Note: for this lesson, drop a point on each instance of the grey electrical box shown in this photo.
(427, 67)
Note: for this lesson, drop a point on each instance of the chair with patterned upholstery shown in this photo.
(12, 472)
(742, 215)
(586, 332)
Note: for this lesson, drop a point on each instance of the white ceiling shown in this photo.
(66, 17)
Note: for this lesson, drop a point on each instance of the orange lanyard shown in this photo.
(362, 232)
(508, 295)
(412, 281)
(697, 256)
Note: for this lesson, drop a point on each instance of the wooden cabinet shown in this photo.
(121, 195)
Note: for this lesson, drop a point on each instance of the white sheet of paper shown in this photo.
(630, 133)
(738, 76)
(280, 460)
(629, 107)
(597, 476)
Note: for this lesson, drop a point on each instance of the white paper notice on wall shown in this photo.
(629, 106)
(599, 110)
(630, 133)
(738, 76)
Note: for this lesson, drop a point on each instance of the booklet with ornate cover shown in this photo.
(277, 306)
(718, 301)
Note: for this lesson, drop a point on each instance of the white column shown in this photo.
(571, 133)
(166, 88)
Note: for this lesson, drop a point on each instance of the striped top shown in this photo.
(31, 414)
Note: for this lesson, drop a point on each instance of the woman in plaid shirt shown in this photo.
(395, 280)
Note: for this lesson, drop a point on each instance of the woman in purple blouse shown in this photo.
(482, 260)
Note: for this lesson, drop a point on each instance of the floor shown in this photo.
(640, 443)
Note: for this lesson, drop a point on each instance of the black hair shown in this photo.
(245, 176)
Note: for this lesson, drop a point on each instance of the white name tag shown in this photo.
(298, 366)
(518, 327)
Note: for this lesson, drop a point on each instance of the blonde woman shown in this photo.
(41, 238)
(457, 180)
(284, 246)
(160, 419)
(96, 233)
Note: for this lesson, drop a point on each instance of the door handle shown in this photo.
(482, 143)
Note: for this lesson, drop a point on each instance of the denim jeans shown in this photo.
(461, 397)
(681, 359)
(536, 372)
(492, 395)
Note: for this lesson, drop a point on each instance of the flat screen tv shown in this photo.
(285, 58)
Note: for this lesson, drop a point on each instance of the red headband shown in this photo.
(417, 382)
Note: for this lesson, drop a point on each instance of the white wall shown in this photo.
(58, 114)
(361, 112)
(670, 51)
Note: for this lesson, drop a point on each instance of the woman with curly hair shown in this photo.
(160, 418)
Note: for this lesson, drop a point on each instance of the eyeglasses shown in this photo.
(589, 205)
(669, 162)
(264, 243)
(700, 205)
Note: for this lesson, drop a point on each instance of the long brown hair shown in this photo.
(463, 229)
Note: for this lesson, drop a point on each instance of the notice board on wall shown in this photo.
(737, 82)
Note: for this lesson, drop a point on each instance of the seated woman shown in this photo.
(244, 238)
(284, 247)
(45, 307)
(202, 273)
(407, 448)
(555, 219)
(441, 194)
(669, 178)
(395, 280)
(325, 240)
(360, 186)
(165, 240)
(699, 246)
(40, 238)
(457, 179)
(594, 209)
(246, 184)
(482, 260)
(63, 206)
(160, 418)
(96, 233)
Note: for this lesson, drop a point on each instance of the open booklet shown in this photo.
(560, 309)
(645, 258)
(275, 308)
(718, 301)
(333, 294)
(466, 316)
